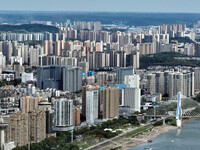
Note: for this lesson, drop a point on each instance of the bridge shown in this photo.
(167, 116)
(178, 107)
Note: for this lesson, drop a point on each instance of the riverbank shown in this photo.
(187, 120)
(185, 138)
(126, 143)
(134, 137)
(144, 137)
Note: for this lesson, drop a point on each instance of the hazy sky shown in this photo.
(103, 5)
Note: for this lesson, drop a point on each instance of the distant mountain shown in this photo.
(126, 18)
(28, 28)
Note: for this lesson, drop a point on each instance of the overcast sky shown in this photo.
(103, 5)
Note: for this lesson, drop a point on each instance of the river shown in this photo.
(186, 138)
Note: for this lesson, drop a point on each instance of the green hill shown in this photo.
(182, 40)
(28, 28)
(166, 59)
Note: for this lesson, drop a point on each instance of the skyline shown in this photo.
(87, 74)
(76, 11)
(179, 6)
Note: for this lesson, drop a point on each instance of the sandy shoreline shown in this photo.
(152, 134)
(142, 138)
(131, 139)
(127, 143)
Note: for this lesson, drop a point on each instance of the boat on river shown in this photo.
(147, 148)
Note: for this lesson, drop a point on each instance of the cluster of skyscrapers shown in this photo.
(59, 77)
(83, 76)
(171, 82)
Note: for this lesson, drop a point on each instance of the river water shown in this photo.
(186, 138)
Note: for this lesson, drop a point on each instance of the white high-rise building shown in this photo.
(63, 111)
(27, 77)
(121, 72)
(132, 80)
(2, 62)
(131, 98)
(91, 106)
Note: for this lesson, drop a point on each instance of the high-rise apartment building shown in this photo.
(146, 48)
(48, 47)
(59, 77)
(189, 49)
(92, 104)
(84, 66)
(122, 72)
(76, 116)
(2, 62)
(197, 49)
(57, 48)
(135, 59)
(72, 79)
(151, 83)
(34, 56)
(132, 80)
(49, 77)
(29, 103)
(102, 78)
(110, 100)
(196, 78)
(63, 112)
(131, 98)
(99, 59)
(159, 79)
(119, 59)
(88, 93)
(166, 28)
(7, 49)
(37, 125)
(169, 83)
(26, 127)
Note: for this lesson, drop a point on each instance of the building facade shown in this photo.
(63, 114)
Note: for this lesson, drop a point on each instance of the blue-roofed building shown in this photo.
(103, 87)
(121, 86)
(126, 85)
(91, 73)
